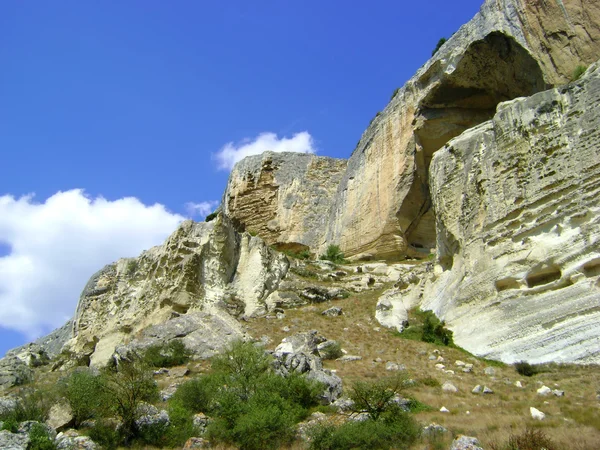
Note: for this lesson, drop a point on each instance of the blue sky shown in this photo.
(113, 113)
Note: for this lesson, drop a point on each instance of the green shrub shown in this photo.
(376, 397)
(303, 254)
(530, 439)
(394, 93)
(441, 42)
(39, 439)
(197, 395)
(181, 426)
(132, 267)
(31, 405)
(10, 424)
(334, 254)
(525, 369)
(332, 351)
(125, 390)
(399, 430)
(84, 392)
(251, 407)
(106, 435)
(173, 353)
(211, 216)
(578, 72)
(426, 327)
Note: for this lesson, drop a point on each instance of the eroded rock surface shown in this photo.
(206, 267)
(518, 217)
(379, 206)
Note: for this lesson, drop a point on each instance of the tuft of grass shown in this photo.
(525, 369)
(334, 254)
(530, 439)
(578, 72)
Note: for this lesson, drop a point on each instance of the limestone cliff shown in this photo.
(382, 207)
(202, 267)
(517, 203)
(285, 198)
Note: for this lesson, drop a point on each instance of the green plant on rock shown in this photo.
(173, 353)
(525, 369)
(211, 216)
(376, 398)
(334, 254)
(332, 351)
(39, 439)
(441, 42)
(578, 72)
(84, 391)
(124, 390)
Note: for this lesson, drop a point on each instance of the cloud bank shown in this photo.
(55, 246)
(231, 153)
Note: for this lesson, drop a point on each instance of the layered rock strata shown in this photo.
(206, 267)
(382, 207)
(517, 203)
(285, 198)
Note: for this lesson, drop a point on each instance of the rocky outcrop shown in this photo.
(206, 267)
(517, 202)
(382, 206)
(285, 198)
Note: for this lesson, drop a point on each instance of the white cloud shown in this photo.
(232, 153)
(201, 209)
(55, 246)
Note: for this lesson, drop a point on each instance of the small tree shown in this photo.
(83, 391)
(578, 72)
(126, 389)
(375, 398)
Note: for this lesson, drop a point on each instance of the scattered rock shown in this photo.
(178, 372)
(71, 440)
(7, 404)
(13, 441)
(315, 295)
(392, 366)
(487, 390)
(343, 404)
(433, 430)
(558, 393)
(544, 390)
(347, 358)
(149, 415)
(432, 358)
(466, 443)
(60, 416)
(14, 372)
(449, 387)
(440, 366)
(459, 363)
(201, 422)
(477, 389)
(196, 442)
(537, 414)
(168, 392)
(444, 409)
(334, 311)
(518, 384)
(490, 371)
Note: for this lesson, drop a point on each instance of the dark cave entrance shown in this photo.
(492, 70)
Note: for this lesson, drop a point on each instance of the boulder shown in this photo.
(14, 372)
(449, 387)
(13, 441)
(334, 311)
(466, 443)
(60, 416)
(536, 413)
(71, 440)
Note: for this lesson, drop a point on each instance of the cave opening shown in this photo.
(492, 70)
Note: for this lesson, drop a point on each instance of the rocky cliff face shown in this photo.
(202, 267)
(382, 206)
(285, 198)
(518, 230)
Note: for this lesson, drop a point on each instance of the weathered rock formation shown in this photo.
(285, 198)
(206, 267)
(382, 207)
(517, 203)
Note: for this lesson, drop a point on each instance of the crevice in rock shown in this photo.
(492, 70)
(592, 268)
(544, 275)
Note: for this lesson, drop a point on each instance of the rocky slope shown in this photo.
(382, 207)
(504, 192)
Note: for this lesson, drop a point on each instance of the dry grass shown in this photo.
(572, 421)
